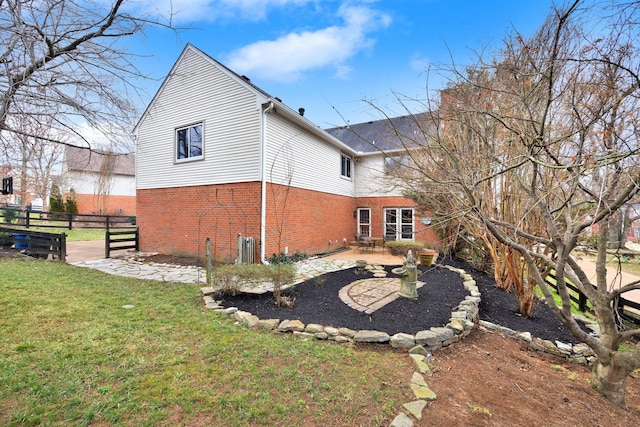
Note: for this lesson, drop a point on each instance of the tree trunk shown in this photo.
(610, 380)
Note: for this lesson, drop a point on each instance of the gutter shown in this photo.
(263, 183)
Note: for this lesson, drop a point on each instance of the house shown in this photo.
(218, 157)
(104, 183)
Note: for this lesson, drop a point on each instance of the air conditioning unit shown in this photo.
(246, 250)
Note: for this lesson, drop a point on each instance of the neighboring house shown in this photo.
(218, 156)
(104, 184)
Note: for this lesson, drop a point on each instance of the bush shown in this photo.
(9, 215)
(402, 247)
(230, 278)
(6, 239)
(287, 259)
(72, 204)
(56, 204)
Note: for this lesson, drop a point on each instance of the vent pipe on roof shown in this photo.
(301, 111)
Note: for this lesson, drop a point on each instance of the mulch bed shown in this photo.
(317, 301)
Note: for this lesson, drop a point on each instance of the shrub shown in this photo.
(72, 204)
(56, 204)
(6, 239)
(287, 259)
(9, 215)
(402, 247)
(233, 276)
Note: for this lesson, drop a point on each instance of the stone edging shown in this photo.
(575, 353)
(420, 345)
(460, 324)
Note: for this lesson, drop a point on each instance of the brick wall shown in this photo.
(87, 204)
(378, 205)
(178, 220)
(310, 221)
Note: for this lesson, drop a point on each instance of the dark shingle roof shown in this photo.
(82, 159)
(395, 133)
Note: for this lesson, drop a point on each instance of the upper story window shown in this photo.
(189, 142)
(345, 171)
(396, 164)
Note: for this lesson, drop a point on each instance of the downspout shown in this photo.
(263, 179)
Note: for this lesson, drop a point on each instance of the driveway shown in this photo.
(85, 251)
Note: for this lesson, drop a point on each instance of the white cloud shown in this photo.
(211, 10)
(287, 57)
(419, 62)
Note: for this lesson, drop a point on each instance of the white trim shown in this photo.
(359, 223)
(263, 181)
(398, 224)
(176, 160)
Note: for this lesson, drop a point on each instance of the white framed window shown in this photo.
(398, 223)
(364, 222)
(190, 142)
(396, 164)
(345, 170)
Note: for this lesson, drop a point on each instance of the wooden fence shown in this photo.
(120, 239)
(28, 218)
(35, 243)
(627, 310)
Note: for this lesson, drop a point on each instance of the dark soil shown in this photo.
(317, 301)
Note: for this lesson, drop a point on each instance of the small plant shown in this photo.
(402, 247)
(286, 301)
(282, 258)
(132, 219)
(6, 239)
(482, 410)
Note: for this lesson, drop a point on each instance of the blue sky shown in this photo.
(327, 56)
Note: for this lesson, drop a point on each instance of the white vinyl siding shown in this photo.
(371, 179)
(310, 163)
(200, 91)
(87, 183)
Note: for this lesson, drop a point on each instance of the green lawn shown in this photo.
(72, 353)
(75, 235)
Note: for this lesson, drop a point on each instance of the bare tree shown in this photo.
(536, 147)
(64, 56)
(104, 183)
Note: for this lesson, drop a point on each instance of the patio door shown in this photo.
(364, 222)
(398, 223)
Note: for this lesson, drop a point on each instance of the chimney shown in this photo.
(301, 111)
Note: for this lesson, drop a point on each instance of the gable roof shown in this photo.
(280, 107)
(387, 135)
(244, 80)
(85, 160)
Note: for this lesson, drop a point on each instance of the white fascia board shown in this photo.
(307, 124)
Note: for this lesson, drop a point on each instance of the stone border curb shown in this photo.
(580, 353)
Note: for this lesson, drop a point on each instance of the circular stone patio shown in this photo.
(368, 295)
